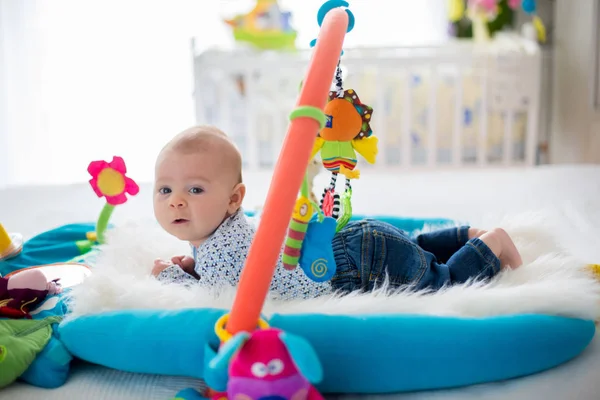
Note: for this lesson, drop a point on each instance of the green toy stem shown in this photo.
(304, 187)
(102, 223)
(320, 214)
(344, 218)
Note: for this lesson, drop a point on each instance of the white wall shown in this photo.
(4, 153)
(576, 125)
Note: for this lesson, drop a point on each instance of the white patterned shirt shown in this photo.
(221, 258)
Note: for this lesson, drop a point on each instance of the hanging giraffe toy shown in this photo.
(346, 132)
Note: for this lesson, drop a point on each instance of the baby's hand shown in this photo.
(186, 263)
(160, 266)
(53, 287)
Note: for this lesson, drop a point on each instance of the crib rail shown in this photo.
(458, 105)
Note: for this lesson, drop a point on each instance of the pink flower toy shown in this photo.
(109, 180)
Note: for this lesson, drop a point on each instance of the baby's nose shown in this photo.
(177, 203)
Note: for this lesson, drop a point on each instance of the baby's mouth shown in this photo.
(179, 221)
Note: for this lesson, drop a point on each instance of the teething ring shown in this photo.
(330, 5)
(224, 335)
(328, 203)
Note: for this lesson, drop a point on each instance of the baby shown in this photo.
(198, 198)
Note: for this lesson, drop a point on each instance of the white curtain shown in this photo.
(82, 80)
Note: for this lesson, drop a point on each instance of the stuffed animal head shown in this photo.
(264, 356)
(347, 118)
(268, 361)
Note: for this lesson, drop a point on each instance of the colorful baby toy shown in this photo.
(480, 12)
(11, 244)
(346, 131)
(23, 292)
(303, 212)
(265, 27)
(109, 180)
(268, 363)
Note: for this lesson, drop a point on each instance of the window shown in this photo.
(88, 79)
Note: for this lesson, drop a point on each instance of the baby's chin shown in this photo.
(186, 236)
(175, 231)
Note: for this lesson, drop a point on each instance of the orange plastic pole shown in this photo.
(257, 274)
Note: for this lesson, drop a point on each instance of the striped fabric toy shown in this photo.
(303, 212)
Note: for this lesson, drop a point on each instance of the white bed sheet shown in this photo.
(480, 197)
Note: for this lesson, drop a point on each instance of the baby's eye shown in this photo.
(164, 190)
(196, 190)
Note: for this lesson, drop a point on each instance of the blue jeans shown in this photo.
(365, 251)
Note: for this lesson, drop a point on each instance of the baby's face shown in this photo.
(192, 195)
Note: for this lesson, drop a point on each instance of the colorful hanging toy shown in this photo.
(265, 27)
(303, 212)
(255, 361)
(347, 131)
(480, 12)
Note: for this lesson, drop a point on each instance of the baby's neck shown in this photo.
(197, 243)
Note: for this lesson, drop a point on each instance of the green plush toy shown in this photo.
(21, 340)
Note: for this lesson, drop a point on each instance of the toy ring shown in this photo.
(222, 333)
(330, 5)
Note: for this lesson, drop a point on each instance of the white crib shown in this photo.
(456, 105)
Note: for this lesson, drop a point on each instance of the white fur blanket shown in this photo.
(551, 281)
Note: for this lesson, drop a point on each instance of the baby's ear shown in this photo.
(236, 198)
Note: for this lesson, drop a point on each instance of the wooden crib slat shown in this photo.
(533, 111)
(407, 121)
(279, 129)
(252, 143)
(482, 158)
(509, 122)
(380, 123)
(432, 122)
(458, 119)
(225, 113)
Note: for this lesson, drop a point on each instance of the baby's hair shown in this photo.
(204, 138)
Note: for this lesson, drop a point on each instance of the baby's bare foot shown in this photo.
(503, 247)
(475, 233)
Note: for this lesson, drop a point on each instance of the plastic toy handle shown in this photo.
(257, 274)
(5, 240)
